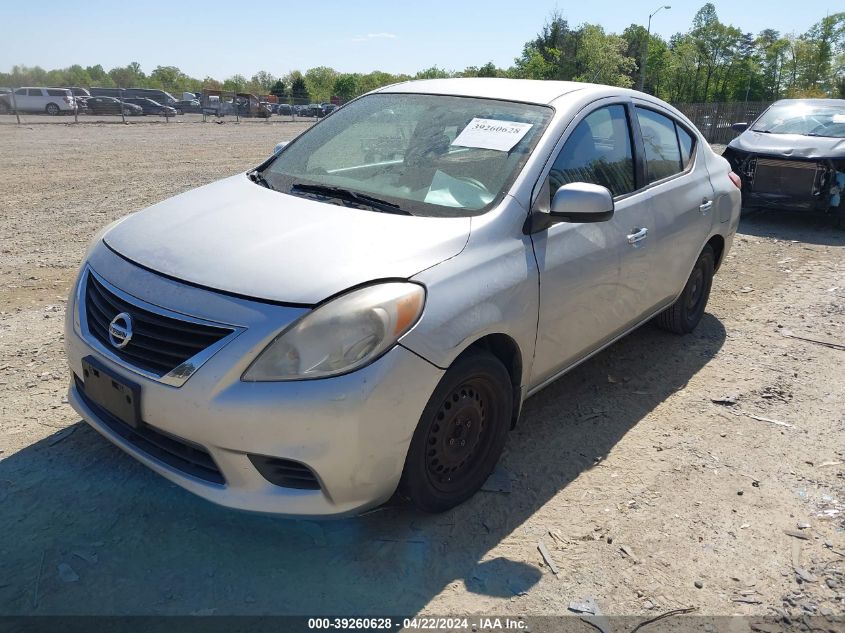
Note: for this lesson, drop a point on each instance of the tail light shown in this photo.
(68, 100)
(736, 180)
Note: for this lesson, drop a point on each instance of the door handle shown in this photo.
(705, 206)
(637, 236)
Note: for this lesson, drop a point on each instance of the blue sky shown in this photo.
(244, 36)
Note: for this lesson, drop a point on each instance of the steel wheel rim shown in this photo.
(459, 437)
(696, 294)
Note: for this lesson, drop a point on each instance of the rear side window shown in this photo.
(34, 92)
(668, 146)
(598, 151)
(687, 142)
(57, 93)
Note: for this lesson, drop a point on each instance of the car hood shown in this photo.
(789, 145)
(239, 237)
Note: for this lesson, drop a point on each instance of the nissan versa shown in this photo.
(369, 308)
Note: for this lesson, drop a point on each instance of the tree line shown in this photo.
(712, 61)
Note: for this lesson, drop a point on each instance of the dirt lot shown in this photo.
(648, 495)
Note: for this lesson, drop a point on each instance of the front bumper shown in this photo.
(775, 200)
(351, 431)
(774, 182)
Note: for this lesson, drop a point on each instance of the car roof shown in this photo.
(525, 90)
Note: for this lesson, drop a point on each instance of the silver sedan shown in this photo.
(368, 309)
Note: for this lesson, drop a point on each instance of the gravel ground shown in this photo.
(648, 495)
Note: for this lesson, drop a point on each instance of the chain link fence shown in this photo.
(134, 105)
(714, 120)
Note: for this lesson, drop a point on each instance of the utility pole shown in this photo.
(645, 48)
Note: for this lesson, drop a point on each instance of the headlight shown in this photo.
(341, 335)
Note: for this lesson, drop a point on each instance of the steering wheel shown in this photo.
(475, 183)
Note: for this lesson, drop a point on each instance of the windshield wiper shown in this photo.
(258, 178)
(763, 131)
(351, 196)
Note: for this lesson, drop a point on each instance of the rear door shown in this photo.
(680, 200)
(37, 100)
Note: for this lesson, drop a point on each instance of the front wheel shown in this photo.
(460, 435)
(683, 316)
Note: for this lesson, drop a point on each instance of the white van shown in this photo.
(53, 101)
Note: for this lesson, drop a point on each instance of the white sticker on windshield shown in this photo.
(839, 118)
(492, 134)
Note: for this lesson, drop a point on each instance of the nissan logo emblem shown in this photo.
(120, 330)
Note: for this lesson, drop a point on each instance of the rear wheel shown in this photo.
(461, 433)
(52, 109)
(683, 316)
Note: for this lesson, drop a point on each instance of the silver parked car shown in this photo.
(369, 308)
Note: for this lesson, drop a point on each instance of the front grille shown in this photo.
(159, 343)
(786, 177)
(185, 456)
(285, 473)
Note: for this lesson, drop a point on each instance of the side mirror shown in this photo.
(581, 202)
(739, 127)
(279, 147)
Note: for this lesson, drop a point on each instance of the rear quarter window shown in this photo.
(687, 143)
(58, 93)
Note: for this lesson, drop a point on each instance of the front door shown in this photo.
(581, 266)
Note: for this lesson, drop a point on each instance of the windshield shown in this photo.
(425, 154)
(803, 118)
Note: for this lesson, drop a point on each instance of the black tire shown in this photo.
(460, 435)
(5, 108)
(683, 316)
(52, 109)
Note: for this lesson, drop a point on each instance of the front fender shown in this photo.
(491, 287)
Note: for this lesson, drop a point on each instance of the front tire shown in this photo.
(460, 435)
(683, 316)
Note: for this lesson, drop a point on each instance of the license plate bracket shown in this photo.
(118, 396)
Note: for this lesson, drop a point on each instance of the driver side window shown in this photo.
(598, 151)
